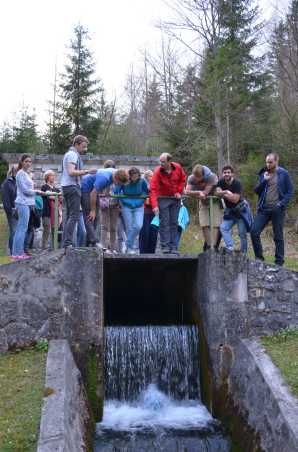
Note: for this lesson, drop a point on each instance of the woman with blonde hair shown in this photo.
(48, 215)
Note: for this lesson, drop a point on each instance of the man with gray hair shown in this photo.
(167, 185)
(72, 171)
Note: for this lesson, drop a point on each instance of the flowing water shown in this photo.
(153, 393)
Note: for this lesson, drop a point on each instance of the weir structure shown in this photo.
(73, 296)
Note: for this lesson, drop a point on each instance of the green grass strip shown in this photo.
(283, 350)
(22, 378)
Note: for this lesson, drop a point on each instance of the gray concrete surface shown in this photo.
(65, 421)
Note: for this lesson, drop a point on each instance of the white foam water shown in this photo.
(155, 410)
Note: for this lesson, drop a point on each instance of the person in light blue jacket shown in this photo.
(133, 208)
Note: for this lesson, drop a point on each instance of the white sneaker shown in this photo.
(123, 249)
(108, 252)
(129, 251)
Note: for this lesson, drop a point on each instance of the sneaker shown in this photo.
(108, 251)
(130, 251)
(115, 252)
(20, 257)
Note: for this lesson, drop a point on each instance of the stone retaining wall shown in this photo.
(56, 296)
(66, 421)
(273, 297)
(238, 299)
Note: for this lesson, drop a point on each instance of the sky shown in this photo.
(34, 34)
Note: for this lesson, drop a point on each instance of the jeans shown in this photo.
(72, 199)
(90, 226)
(276, 216)
(21, 229)
(168, 222)
(12, 224)
(109, 219)
(80, 232)
(226, 232)
(148, 235)
(133, 219)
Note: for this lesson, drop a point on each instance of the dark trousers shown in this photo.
(168, 218)
(72, 199)
(148, 235)
(12, 224)
(276, 216)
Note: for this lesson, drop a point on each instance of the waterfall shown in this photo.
(136, 357)
(152, 393)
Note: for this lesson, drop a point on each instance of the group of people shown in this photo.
(135, 210)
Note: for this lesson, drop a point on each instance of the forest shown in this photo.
(231, 96)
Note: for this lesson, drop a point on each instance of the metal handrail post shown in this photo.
(211, 220)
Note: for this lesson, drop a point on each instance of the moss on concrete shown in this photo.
(92, 385)
(22, 376)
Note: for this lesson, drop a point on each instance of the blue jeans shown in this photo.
(21, 229)
(80, 232)
(133, 219)
(276, 216)
(226, 232)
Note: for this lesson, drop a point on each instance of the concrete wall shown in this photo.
(238, 299)
(60, 295)
(66, 420)
(44, 162)
(56, 296)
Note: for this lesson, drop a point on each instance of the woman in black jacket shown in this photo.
(9, 193)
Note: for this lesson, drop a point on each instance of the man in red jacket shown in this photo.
(166, 188)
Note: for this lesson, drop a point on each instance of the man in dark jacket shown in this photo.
(275, 190)
(9, 193)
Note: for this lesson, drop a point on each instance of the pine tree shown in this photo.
(80, 105)
(25, 135)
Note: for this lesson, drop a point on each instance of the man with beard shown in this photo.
(275, 190)
(229, 189)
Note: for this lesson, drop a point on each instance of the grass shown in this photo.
(22, 376)
(192, 242)
(283, 349)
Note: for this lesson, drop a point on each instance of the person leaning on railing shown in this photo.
(201, 184)
(167, 185)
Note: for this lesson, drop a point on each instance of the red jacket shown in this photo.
(166, 184)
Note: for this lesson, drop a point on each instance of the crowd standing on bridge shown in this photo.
(132, 211)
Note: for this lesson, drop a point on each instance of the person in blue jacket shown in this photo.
(133, 208)
(275, 190)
